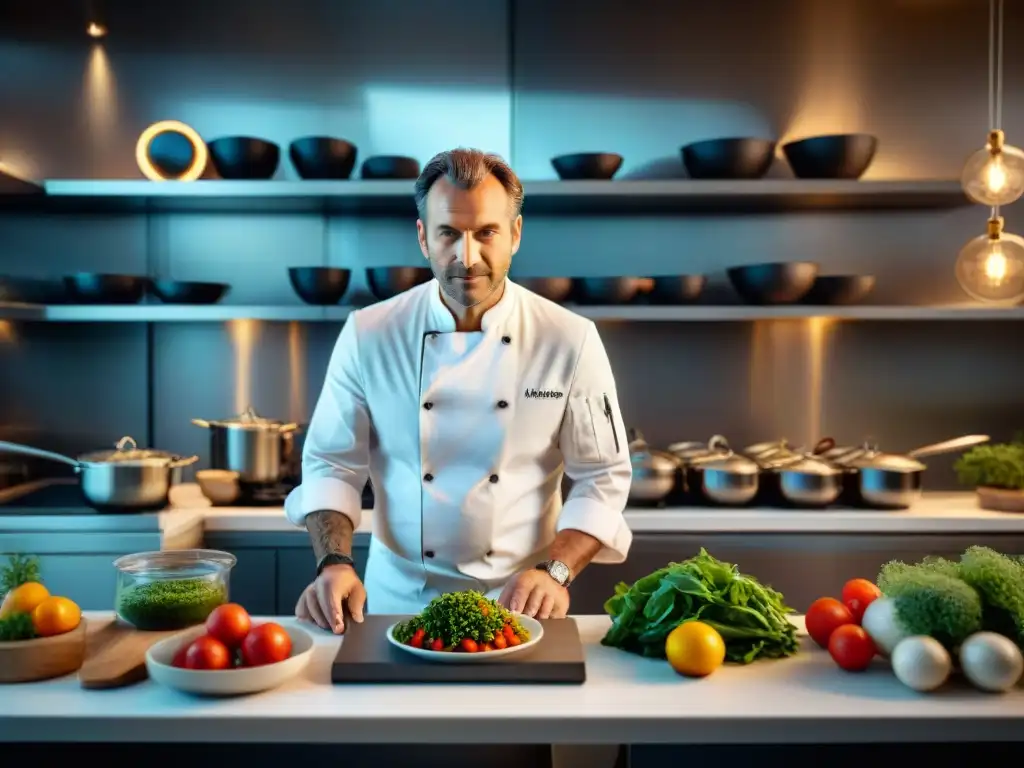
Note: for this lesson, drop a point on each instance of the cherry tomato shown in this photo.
(469, 645)
(487, 647)
(500, 641)
(266, 644)
(508, 632)
(851, 647)
(416, 641)
(229, 623)
(207, 652)
(514, 640)
(437, 644)
(858, 594)
(824, 616)
(179, 656)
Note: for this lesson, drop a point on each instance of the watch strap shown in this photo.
(333, 559)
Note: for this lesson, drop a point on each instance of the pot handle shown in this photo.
(949, 446)
(183, 462)
(38, 453)
(824, 445)
(292, 427)
(201, 423)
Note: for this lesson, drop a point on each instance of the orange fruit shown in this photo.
(55, 616)
(23, 598)
(695, 649)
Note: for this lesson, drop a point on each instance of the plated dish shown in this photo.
(465, 627)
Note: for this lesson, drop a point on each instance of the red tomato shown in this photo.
(851, 648)
(437, 644)
(858, 594)
(514, 640)
(179, 656)
(508, 632)
(500, 641)
(266, 644)
(416, 641)
(229, 623)
(824, 616)
(469, 645)
(207, 653)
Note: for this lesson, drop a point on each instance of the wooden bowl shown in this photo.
(22, 661)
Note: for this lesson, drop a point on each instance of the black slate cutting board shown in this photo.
(367, 656)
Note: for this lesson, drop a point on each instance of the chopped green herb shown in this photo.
(17, 626)
(170, 604)
(20, 569)
(457, 615)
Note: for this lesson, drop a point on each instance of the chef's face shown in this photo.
(469, 237)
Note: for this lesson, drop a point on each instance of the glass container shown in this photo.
(173, 589)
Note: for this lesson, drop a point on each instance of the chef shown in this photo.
(463, 400)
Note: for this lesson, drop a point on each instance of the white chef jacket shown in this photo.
(465, 437)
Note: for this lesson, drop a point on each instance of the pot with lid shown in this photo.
(656, 474)
(718, 476)
(888, 480)
(125, 479)
(258, 449)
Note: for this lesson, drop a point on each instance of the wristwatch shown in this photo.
(558, 571)
(333, 559)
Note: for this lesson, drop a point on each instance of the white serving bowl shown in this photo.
(225, 682)
(534, 627)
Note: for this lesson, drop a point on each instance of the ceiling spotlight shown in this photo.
(96, 31)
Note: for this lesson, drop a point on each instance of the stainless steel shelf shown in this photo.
(550, 197)
(172, 313)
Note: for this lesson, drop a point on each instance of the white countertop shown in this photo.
(626, 699)
(935, 513)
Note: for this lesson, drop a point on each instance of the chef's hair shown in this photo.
(465, 168)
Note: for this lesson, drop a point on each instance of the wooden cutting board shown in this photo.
(366, 656)
(116, 655)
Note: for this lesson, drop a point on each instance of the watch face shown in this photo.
(559, 572)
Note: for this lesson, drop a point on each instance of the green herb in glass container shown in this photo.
(171, 603)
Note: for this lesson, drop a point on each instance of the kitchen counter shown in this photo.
(626, 699)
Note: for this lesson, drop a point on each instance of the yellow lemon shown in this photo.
(55, 616)
(695, 649)
(23, 598)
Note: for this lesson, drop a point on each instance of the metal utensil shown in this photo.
(125, 479)
(895, 481)
(655, 473)
(721, 476)
(255, 447)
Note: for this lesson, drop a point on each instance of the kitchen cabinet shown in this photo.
(254, 580)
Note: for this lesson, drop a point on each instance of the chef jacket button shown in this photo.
(428, 405)
(503, 403)
(429, 553)
(428, 477)
(490, 552)
(494, 478)
(506, 339)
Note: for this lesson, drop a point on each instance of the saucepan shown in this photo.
(714, 474)
(258, 449)
(126, 479)
(656, 474)
(887, 480)
(794, 478)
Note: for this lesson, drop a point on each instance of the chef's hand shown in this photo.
(321, 602)
(534, 593)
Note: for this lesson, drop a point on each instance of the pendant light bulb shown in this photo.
(990, 268)
(994, 176)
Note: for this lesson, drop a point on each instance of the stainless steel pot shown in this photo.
(894, 481)
(258, 449)
(655, 473)
(126, 479)
(720, 476)
(805, 480)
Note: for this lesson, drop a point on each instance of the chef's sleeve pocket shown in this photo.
(593, 434)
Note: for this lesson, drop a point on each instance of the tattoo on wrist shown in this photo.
(330, 532)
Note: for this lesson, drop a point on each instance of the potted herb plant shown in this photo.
(996, 472)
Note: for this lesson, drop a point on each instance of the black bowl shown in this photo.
(96, 288)
(320, 286)
(556, 289)
(587, 165)
(322, 157)
(390, 167)
(728, 158)
(840, 156)
(244, 157)
(677, 289)
(839, 289)
(33, 290)
(606, 290)
(385, 282)
(188, 291)
(782, 282)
